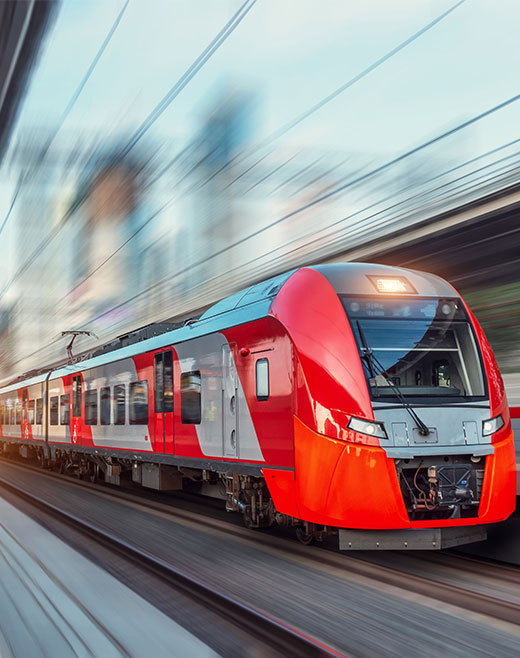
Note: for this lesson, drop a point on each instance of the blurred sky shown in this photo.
(287, 53)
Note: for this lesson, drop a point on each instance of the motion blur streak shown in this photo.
(124, 201)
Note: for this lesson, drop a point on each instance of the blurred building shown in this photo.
(107, 210)
(32, 319)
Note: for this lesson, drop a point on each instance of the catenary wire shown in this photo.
(350, 83)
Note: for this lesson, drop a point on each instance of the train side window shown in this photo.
(54, 410)
(31, 412)
(190, 398)
(39, 411)
(76, 396)
(2, 414)
(12, 417)
(119, 404)
(104, 406)
(138, 403)
(262, 379)
(18, 409)
(65, 410)
(91, 405)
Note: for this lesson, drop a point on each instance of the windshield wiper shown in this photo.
(374, 366)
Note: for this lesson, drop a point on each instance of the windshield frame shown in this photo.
(416, 400)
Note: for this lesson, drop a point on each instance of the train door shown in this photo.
(25, 416)
(163, 393)
(229, 403)
(75, 421)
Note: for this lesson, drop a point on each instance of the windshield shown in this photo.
(426, 346)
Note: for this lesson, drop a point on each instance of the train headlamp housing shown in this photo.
(392, 285)
(492, 425)
(368, 427)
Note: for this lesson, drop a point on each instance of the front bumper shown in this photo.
(347, 485)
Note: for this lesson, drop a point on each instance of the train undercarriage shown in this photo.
(244, 494)
(451, 490)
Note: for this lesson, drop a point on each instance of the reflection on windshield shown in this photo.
(426, 347)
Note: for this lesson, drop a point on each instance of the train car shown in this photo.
(352, 399)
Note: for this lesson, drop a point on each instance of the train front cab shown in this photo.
(401, 420)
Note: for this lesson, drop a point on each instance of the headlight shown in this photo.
(492, 426)
(369, 427)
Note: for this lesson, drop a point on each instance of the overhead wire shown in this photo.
(189, 74)
(372, 67)
(350, 83)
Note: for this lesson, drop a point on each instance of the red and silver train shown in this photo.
(356, 399)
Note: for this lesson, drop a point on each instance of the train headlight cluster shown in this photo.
(369, 427)
(493, 425)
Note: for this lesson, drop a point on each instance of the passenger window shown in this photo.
(54, 410)
(76, 396)
(91, 404)
(138, 402)
(190, 398)
(2, 411)
(119, 405)
(104, 406)
(18, 413)
(65, 410)
(12, 417)
(31, 412)
(39, 411)
(262, 379)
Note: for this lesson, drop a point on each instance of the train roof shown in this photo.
(358, 279)
(254, 303)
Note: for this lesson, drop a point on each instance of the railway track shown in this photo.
(368, 566)
(274, 634)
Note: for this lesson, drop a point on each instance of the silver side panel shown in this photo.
(220, 415)
(129, 437)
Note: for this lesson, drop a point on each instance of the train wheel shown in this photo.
(305, 538)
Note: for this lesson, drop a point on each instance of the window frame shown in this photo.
(64, 404)
(103, 398)
(184, 418)
(54, 419)
(38, 411)
(262, 398)
(90, 394)
(117, 406)
(132, 419)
